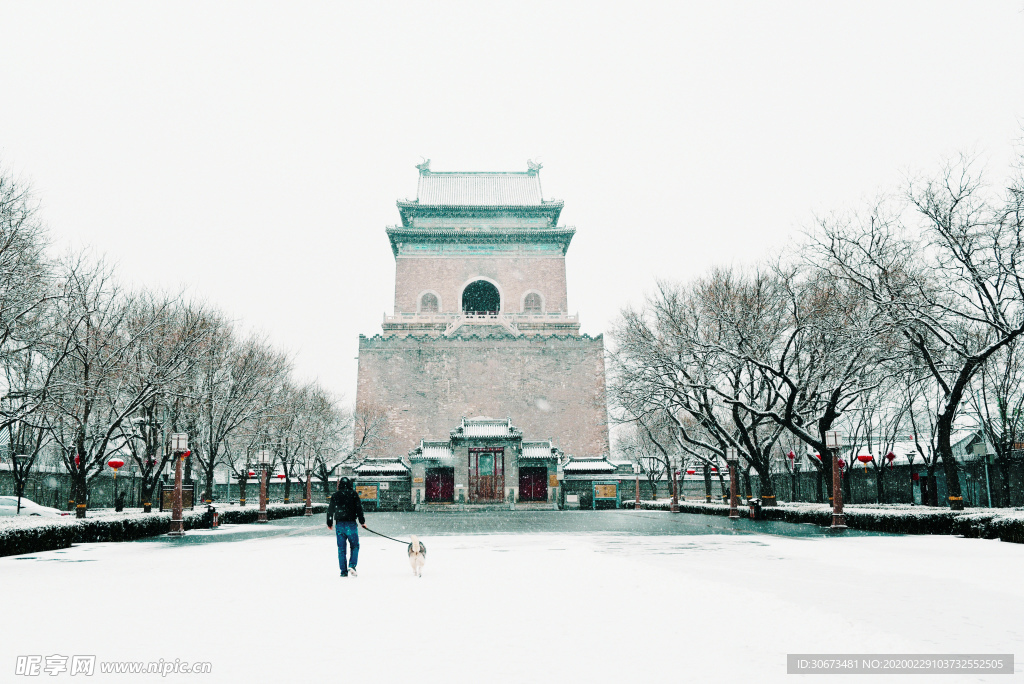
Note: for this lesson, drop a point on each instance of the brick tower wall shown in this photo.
(513, 275)
(551, 387)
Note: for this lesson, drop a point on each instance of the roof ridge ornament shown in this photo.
(424, 167)
(533, 166)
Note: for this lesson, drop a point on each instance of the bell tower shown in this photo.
(481, 325)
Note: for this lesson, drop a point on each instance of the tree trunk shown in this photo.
(287, 486)
(241, 490)
(1004, 477)
(747, 488)
(880, 483)
(80, 489)
(209, 486)
(821, 486)
(653, 484)
(707, 484)
(767, 491)
(944, 428)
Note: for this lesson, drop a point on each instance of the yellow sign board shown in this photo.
(604, 491)
(367, 492)
(417, 480)
(552, 481)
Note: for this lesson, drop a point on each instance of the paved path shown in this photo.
(400, 525)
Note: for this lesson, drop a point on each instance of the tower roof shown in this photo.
(479, 189)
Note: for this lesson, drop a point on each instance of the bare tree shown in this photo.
(235, 382)
(648, 456)
(997, 400)
(121, 350)
(951, 284)
(369, 432)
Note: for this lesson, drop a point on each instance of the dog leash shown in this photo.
(386, 536)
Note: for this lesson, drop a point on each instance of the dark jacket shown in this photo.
(345, 506)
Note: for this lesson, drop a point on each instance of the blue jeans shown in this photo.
(347, 531)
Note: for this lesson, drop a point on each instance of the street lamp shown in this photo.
(263, 458)
(733, 459)
(179, 449)
(19, 461)
(833, 440)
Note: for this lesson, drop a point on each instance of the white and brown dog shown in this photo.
(417, 555)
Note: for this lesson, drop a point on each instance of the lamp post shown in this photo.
(309, 493)
(179, 450)
(832, 442)
(19, 461)
(263, 456)
(733, 459)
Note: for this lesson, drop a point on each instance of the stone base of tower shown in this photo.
(552, 387)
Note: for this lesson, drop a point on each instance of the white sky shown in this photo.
(253, 152)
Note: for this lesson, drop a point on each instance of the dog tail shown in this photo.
(415, 545)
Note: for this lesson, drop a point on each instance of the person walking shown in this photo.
(345, 508)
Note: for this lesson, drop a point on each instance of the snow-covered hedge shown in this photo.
(34, 534)
(1002, 523)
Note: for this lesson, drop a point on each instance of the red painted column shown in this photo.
(838, 519)
(262, 517)
(177, 525)
(309, 500)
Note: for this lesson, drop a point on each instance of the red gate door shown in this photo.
(486, 474)
(533, 485)
(439, 485)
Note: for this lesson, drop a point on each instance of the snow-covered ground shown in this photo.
(573, 607)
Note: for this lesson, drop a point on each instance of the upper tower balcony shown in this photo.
(475, 207)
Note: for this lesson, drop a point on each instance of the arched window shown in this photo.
(481, 297)
(428, 303)
(531, 303)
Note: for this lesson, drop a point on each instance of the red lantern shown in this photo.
(714, 469)
(280, 476)
(115, 462)
(791, 455)
(890, 457)
(864, 458)
(691, 471)
(842, 464)
(915, 477)
(78, 461)
(817, 456)
(186, 454)
(252, 473)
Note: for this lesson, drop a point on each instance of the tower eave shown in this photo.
(561, 236)
(412, 209)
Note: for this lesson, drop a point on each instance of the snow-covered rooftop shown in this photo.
(380, 466)
(480, 189)
(486, 427)
(589, 465)
(537, 450)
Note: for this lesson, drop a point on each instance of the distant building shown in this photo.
(481, 334)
